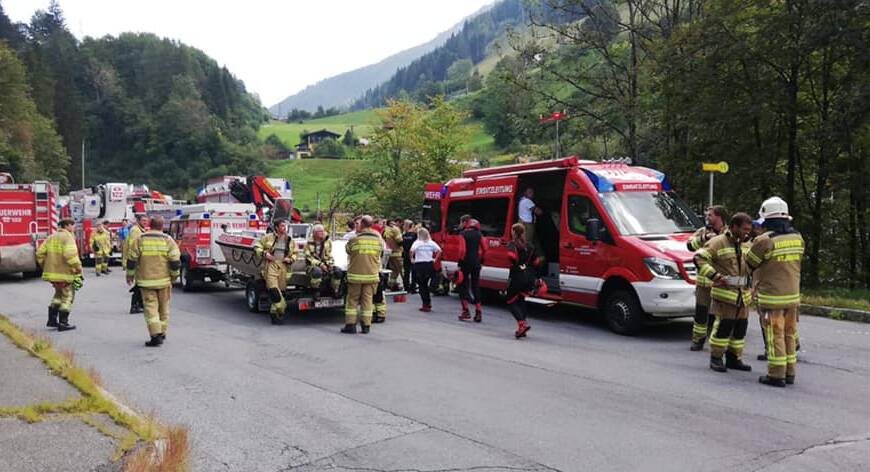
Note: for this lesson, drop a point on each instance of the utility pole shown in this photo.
(83, 163)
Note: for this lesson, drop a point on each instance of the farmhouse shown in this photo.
(309, 141)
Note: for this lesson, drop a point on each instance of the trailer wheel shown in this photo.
(252, 297)
(186, 281)
(623, 312)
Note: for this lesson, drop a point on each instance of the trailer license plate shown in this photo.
(328, 303)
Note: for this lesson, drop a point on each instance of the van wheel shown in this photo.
(252, 297)
(623, 312)
(186, 281)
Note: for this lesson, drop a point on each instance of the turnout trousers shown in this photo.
(396, 266)
(780, 328)
(360, 296)
(729, 329)
(703, 321)
(156, 302)
(63, 296)
(276, 283)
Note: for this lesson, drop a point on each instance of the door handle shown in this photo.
(569, 246)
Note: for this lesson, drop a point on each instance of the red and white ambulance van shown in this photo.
(613, 235)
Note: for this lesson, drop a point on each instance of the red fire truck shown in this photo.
(196, 229)
(613, 235)
(28, 215)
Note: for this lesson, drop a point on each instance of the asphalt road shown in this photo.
(427, 392)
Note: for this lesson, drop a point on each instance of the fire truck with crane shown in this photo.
(228, 204)
(28, 215)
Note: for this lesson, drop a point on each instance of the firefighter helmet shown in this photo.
(773, 207)
(472, 223)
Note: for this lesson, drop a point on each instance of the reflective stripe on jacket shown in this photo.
(314, 257)
(59, 257)
(393, 238)
(776, 259)
(103, 241)
(364, 253)
(723, 257)
(154, 259)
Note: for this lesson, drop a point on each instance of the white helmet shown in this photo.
(773, 207)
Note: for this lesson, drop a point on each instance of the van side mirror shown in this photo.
(593, 229)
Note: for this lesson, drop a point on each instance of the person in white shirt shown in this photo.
(424, 252)
(527, 212)
(353, 226)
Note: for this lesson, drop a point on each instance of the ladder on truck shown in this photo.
(46, 214)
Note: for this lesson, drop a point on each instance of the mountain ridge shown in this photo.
(343, 89)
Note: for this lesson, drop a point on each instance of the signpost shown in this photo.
(557, 117)
(712, 168)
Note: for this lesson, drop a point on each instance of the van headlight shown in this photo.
(663, 268)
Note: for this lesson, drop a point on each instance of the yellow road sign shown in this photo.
(721, 167)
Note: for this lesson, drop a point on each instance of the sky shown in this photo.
(276, 47)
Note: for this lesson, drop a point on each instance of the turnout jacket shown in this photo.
(314, 256)
(154, 260)
(393, 238)
(722, 259)
(101, 243)
(59, 257)
(776, 259)
(364, 254)
(697, 241)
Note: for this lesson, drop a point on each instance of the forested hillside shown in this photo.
(147, 109)
(430, 75)
(777, 89)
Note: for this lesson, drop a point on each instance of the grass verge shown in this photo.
(855, 299)
(155, 436)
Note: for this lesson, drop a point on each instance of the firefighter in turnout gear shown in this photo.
(136, 231)
(101, 244)
(364, 252)
(716, 217)
(58, 257)
(393, 239)
(775, 257)
(278, 251)
(318, 257)
(722, 261)
(153, 263)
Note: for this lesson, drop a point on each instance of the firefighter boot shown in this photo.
(52, 317)
(464, 316)
(771, 381)
(697, 345)
(155, 341)
(349, 329)
(63, 321)
(478, 313)
(732, 362)
(717, 364)
(276, 320)
(522, 328)
(364, 329)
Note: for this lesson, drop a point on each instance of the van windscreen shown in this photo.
(638, 213)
